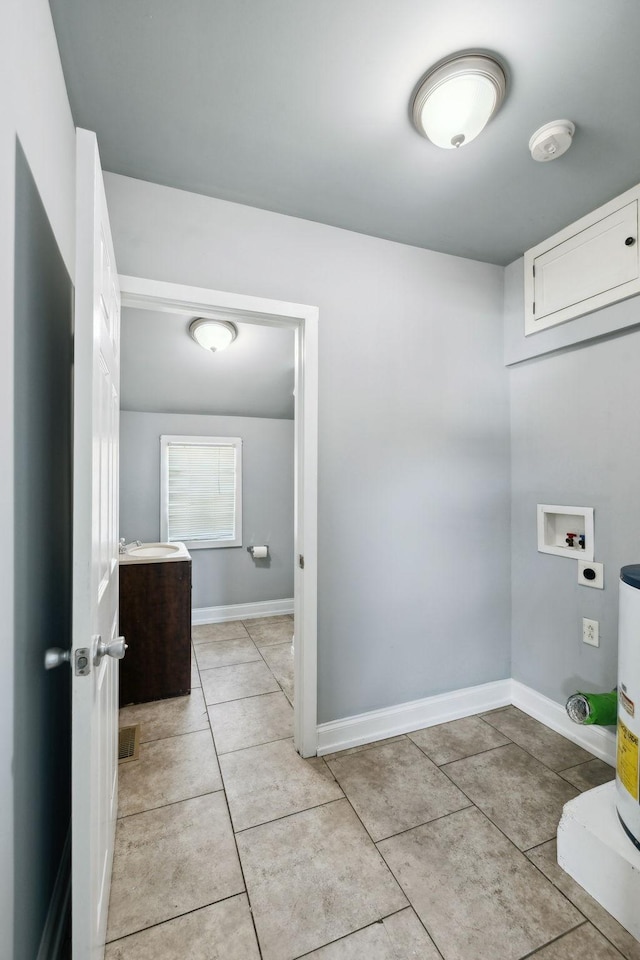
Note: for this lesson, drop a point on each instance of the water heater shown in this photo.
(627, 781)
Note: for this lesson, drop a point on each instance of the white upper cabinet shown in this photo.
(586, 266)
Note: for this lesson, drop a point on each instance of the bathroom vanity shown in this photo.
(155, 619)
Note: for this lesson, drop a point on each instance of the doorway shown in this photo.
(163, 297)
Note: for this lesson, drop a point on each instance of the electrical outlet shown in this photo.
(591, 632)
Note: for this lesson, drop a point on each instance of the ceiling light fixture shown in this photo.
(213, 335)
(457, 98)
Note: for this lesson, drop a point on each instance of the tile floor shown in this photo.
(438, 845)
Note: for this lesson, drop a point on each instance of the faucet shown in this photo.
(123, 546)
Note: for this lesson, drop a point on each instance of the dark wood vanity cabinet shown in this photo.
(155, 619)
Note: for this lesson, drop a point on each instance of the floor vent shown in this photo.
(128, 743)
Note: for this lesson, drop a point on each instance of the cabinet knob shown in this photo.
(629, 242)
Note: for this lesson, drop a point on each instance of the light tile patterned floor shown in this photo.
(439, 845)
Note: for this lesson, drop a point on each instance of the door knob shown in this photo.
(114, 648)
(55, 657)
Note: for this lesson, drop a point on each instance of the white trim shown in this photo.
(414, 715)
(405, 717)
(597, 740)
(55, 923)
(160, 296)
(242, 611)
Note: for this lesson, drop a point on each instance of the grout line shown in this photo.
(198, 641)
(361, 748)
(286, 816)
(226, 753)
(235, 663)
(351, 933)
(485, 814)
(553, 770)
(400, 887)
(235, 699)
(512, 743)
(544, 946)
(587, 918)
(582, 763)
(251, 696)
(429, 932)
(178, 916)
(522, 852)
(537, 846)
(228, 666)
(252, 746)
(173, 736)
(460, 759)
(235, 842)
(415, 913)
(208, 726)
(450, 763)
(555, 886)
(425, 823)
(171, 803)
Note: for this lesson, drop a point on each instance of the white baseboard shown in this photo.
(405, 717)
(55, 923)
(242, 611)
(601, 741)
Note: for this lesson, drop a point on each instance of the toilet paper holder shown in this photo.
(257, 553)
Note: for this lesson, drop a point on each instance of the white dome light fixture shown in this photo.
(552, 140)
(213, 335)
(457, 98)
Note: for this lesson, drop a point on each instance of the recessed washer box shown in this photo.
(566, 531)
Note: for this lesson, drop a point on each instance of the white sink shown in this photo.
(155, 550)
(149, 552)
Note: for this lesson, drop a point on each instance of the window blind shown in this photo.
(202, 491)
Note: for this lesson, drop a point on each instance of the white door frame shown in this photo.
(199, 301)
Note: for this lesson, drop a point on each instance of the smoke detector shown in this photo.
(552, 140)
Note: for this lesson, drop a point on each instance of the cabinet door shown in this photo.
(584, 268)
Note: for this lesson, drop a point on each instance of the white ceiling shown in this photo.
(164, 371)
(302, 106)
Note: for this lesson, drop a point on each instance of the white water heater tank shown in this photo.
(627, 780)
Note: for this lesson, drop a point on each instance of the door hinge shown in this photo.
(301, 561)
(534, 269)
(82, 662)
(534, 306)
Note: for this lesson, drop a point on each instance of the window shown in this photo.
(201, 491)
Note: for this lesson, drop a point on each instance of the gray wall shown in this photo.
(42, 555)
(34, 110)
(575, 425)
(223, 575)
(414, 448)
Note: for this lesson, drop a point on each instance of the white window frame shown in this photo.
(165, 442)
